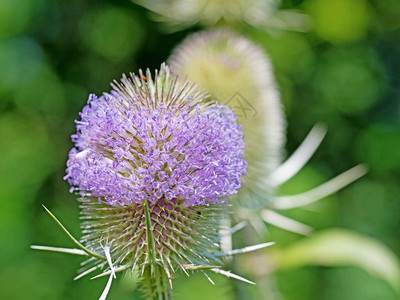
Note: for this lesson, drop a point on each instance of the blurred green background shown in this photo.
(345, 72)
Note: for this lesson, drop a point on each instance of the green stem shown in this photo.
(156, 283)
(149, 233)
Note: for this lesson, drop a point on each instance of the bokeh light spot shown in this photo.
(44, 93)
(27, 157)
(16, 16)
(379, 148)
(349, 81)
(20, 60)
(112, 33)
(290, 52)
(339, 20)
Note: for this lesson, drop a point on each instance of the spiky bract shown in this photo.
(181, 235)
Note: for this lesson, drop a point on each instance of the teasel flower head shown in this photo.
(238, 73)
(263, 14)
(210, 12)
(154, 163)
(235, 70)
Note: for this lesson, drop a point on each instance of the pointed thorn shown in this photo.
(107, 288)
(249, 249)
(278, 220)
(58, 249)
(328, 188)
(208, 277)
(232, 275)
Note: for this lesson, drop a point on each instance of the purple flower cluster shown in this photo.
(127, 152)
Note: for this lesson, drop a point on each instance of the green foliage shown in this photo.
(344, 72)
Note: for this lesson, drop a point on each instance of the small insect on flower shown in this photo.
(153, 163)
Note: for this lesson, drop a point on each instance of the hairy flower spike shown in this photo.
(154, 163)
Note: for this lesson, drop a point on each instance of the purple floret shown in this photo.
(126, 152)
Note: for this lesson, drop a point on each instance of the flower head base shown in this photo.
(154, 163)
(180, 235)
